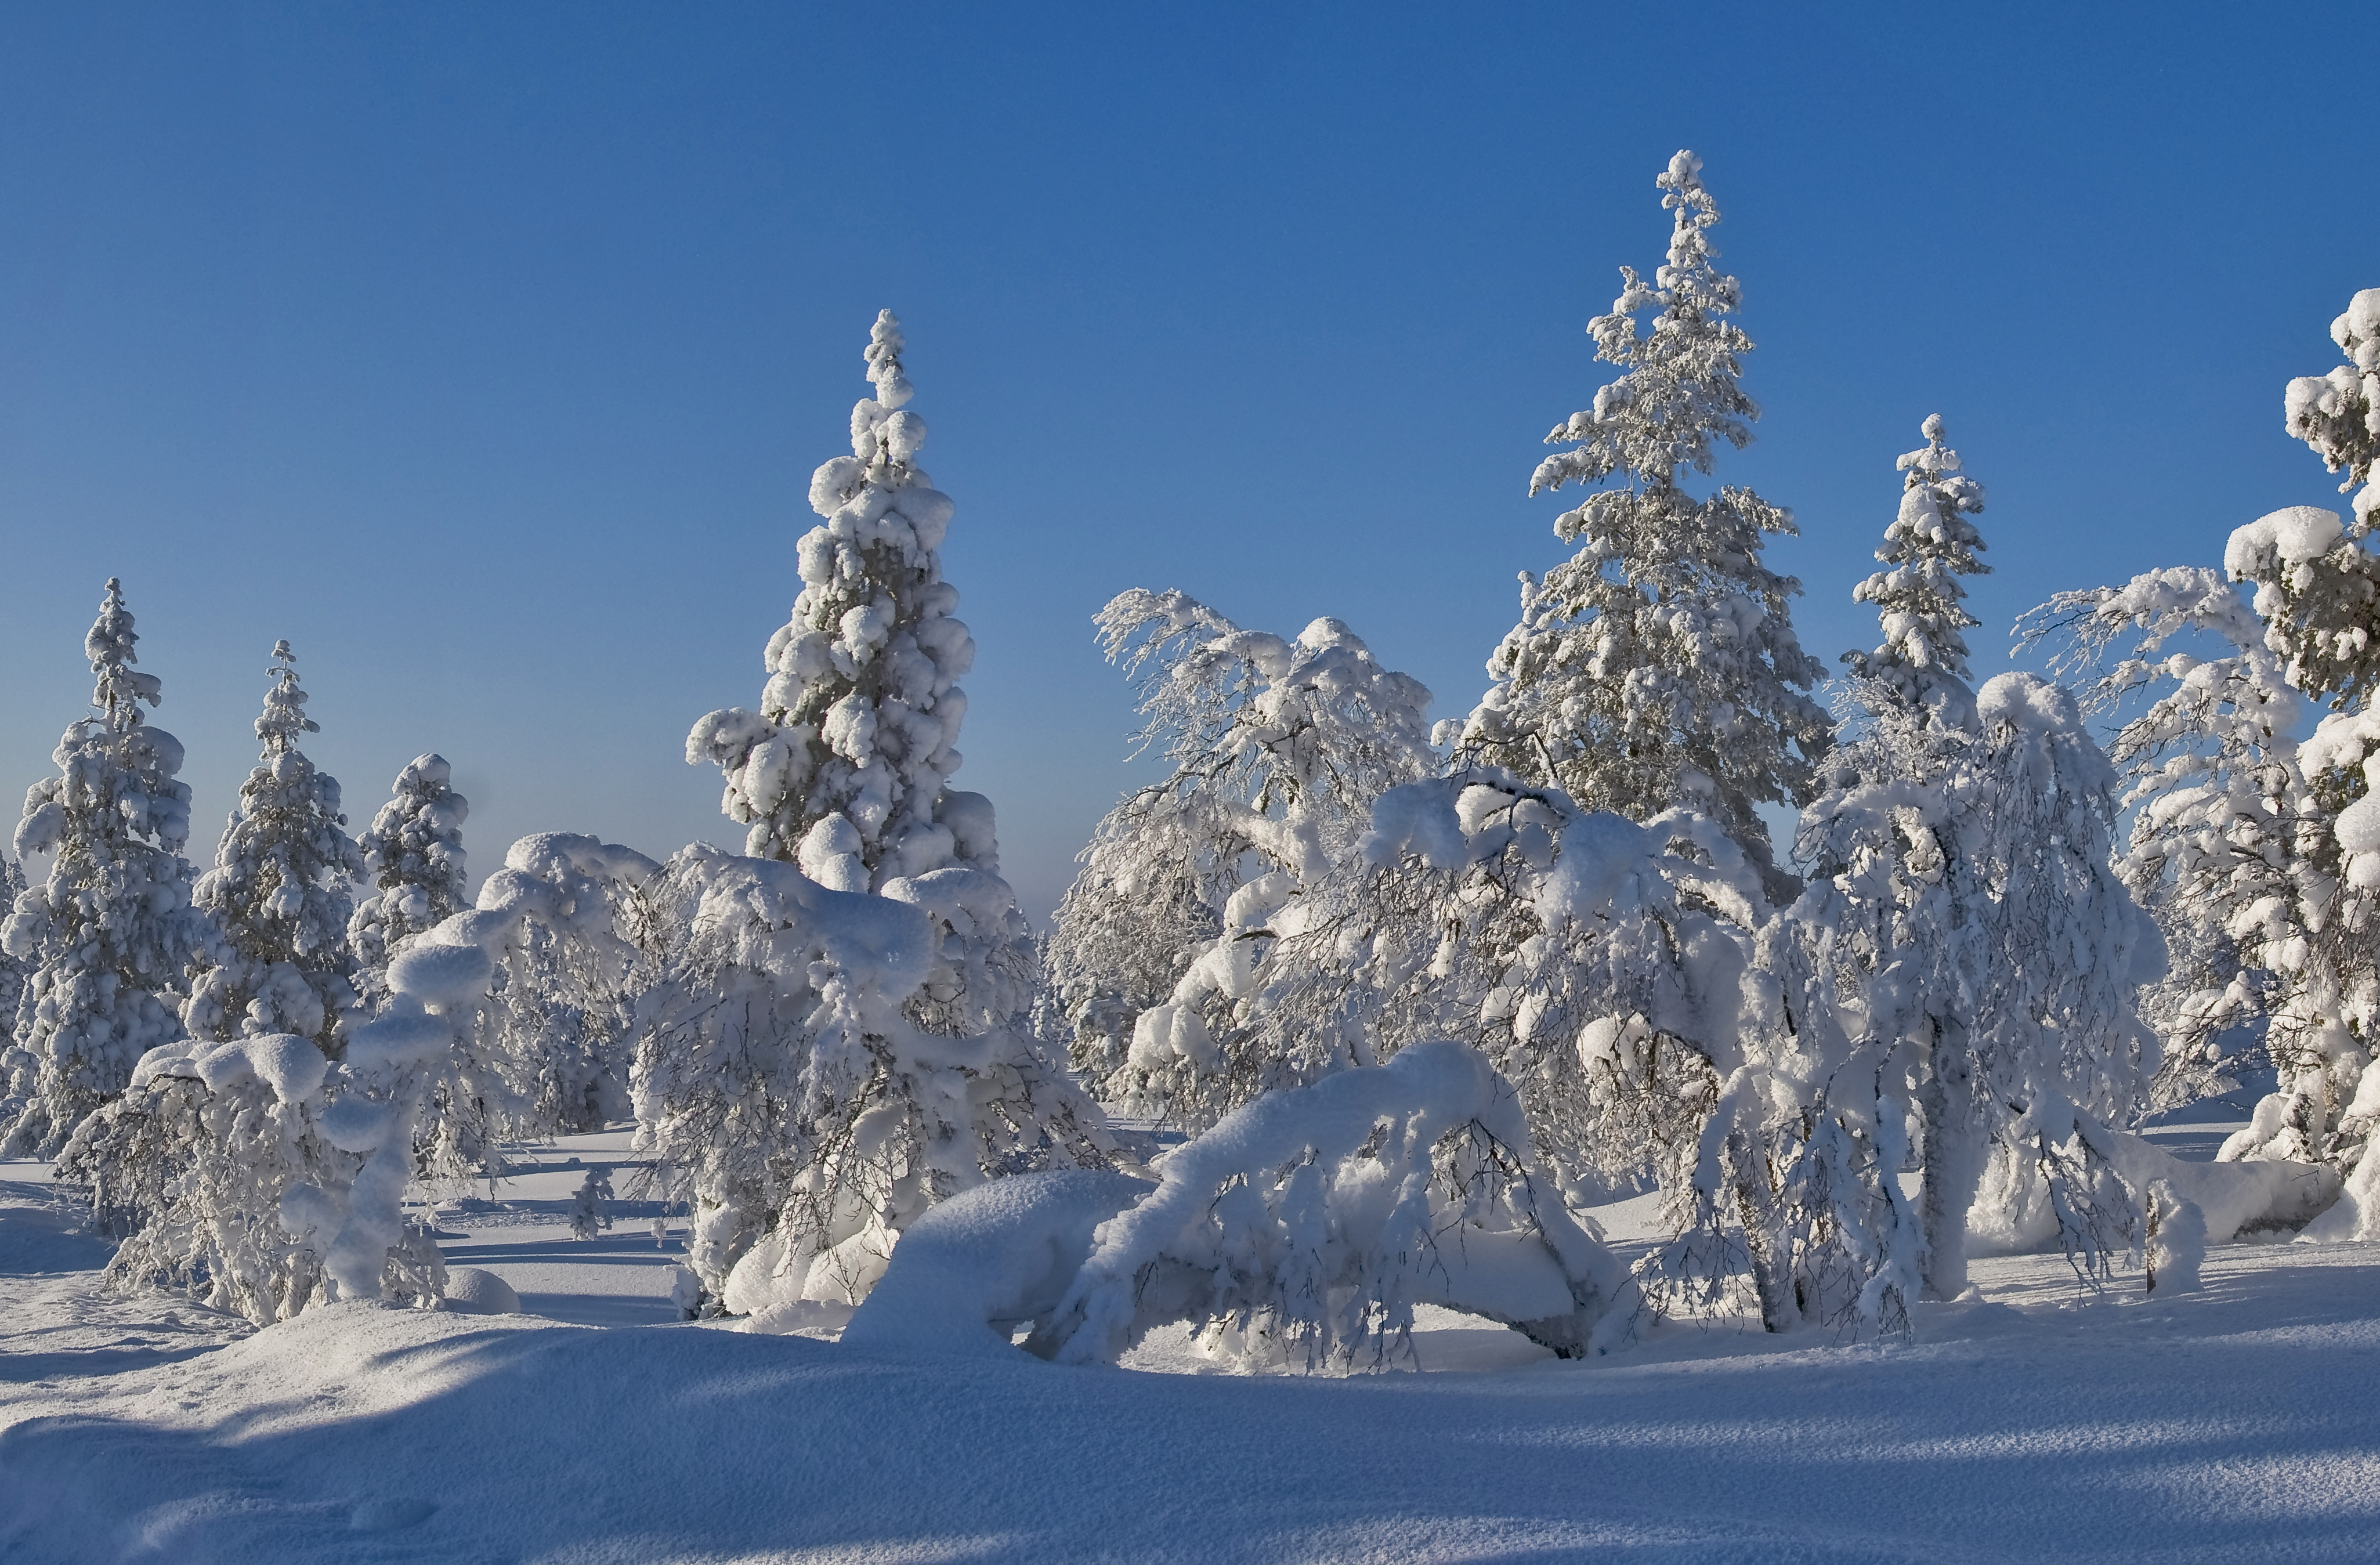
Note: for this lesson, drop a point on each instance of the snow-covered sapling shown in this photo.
(1923, 659)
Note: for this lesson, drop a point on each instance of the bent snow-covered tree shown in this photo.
(844, 768)
(1967, 923)
(2227, 842)
(108, 937)
(1923, 659)
(413, 856)
(1657, 667)
(280, 891)
(1278, 750)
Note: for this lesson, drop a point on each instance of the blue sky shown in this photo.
(484, 352)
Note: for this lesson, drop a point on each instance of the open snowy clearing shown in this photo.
(2240, 1424)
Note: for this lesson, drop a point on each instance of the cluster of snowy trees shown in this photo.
(1417, 996)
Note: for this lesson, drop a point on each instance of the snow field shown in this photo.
(2035, 1422)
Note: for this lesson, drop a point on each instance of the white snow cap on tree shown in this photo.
(414, 856)
(2338, 414)
(1929, 546)
(279, 891)
(107, 939)
(843, 770)
(1657, 666)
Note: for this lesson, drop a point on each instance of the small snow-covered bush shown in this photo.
(218, 1168)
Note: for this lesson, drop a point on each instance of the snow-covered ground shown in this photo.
(2242, 1422)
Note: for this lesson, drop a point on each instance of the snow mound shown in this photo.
(965, 1275)
(474, 1291)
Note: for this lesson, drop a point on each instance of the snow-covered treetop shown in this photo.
(111, 786)
(857, 727)
(284, 717)
(109, 647)
(2338, 414)
(1929, 545)
(1316, 728)
(413, 855)
(280, 889)
(1680, 387)
(416, 838)
(1657, 666)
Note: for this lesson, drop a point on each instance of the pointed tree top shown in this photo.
(285, 705)
(883, 353)
(120, 690)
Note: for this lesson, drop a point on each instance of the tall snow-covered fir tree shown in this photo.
(108, 937)
(844, 768)
(1930, 545)
(280, 891)
(1657, 666)
(413, 855)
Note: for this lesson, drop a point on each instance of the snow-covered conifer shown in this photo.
(1278, 750)
(414, 856)
(108, 937)
(280, 891)
(844, 768)
(1657, 666)
(1929, 546)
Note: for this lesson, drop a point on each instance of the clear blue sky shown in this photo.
(484, 351)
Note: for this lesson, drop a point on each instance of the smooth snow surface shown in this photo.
(2241, 1423)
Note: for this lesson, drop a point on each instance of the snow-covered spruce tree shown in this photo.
(413, 855)
(1278, 750)
(1657, 666)
(280, 891)
(844, 768)
(785, 1092)
(108, 937)
(1977, 935)
(1923, 659)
